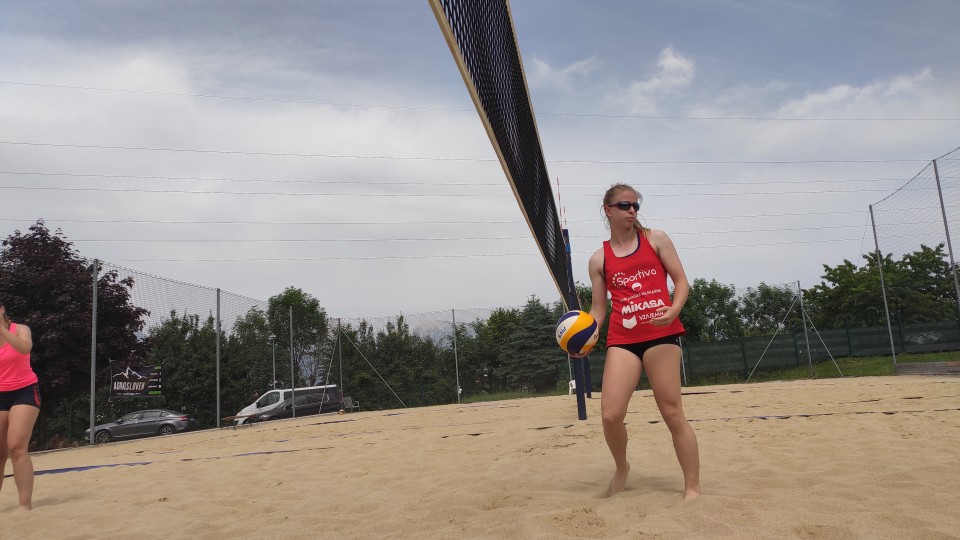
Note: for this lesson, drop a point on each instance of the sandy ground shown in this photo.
(842, 458)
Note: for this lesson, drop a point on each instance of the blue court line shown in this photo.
(135, 463)
(86, 468)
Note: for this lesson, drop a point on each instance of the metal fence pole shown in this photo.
(218, 357)
(293, 379)
(806, 336)
(95, 272)
(340, 356)
(946, 229)
(883, 287)
(456, 362)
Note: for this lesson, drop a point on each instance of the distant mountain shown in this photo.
(130, 374)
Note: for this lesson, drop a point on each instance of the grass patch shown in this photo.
(867, 366)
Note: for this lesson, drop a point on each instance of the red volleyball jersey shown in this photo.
(637, 284)
(15, 372)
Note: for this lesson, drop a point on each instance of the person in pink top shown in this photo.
(643, 333)
(19, 404)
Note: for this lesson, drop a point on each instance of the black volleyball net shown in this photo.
(482, 39)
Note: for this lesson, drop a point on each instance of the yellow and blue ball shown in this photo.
(577, 332)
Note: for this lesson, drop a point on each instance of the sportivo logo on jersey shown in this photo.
(621, 280)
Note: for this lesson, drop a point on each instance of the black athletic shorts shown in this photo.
(28, 395)
(640, 348)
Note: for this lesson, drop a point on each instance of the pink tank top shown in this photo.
(15, 372)
(638, 286)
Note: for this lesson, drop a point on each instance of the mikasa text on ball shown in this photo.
(577, 332)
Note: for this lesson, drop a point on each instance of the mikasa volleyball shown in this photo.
(577, 332)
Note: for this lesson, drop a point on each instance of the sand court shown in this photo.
(875, 457)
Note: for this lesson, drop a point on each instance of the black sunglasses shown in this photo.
(625, 205)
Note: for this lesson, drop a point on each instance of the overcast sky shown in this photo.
(332, 146)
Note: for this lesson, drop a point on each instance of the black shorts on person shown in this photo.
(28, 395)
(640, 348)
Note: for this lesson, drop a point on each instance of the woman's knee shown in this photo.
(16, 450)
(612, 416)
(673, 416)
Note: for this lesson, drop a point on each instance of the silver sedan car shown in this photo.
(143, 424)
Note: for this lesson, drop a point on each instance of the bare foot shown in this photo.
(691, 493)
(23, 509)
(618, 480)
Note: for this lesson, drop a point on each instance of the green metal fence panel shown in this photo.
(931, 337)
(834, 343)
(779, 354)
(715, 357)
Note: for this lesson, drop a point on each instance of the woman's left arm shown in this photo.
(21, 340)
(671, 263)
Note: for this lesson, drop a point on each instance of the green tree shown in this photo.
(711, 312)
(312, 346)
(247, 361)
(185, 349)
(47, 285)
(764, 307)
(919, 289)
(531, 359)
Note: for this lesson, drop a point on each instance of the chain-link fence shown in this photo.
(915, 235)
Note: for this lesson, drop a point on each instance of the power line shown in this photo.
(435, 184)
(393, 223)
(460, 159)
(455, 239)
(466, 256)
(437, 239)
(461, 110)
(314, 194)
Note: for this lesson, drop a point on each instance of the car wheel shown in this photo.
(103, 437)
(167, 430)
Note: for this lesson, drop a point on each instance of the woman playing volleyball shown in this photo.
(644, 331)
(19, 404)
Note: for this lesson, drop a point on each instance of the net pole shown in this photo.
(946, 230)
(573, 302)
(883, 287)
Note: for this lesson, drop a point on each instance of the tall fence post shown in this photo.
(218, 357)
(95, 272)
(883, 287)
(806, 336)
(293, 378)
(456, 361)
(946, 229)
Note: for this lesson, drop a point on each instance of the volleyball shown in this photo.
(577, 332)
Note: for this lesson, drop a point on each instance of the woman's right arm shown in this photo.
(21, 341)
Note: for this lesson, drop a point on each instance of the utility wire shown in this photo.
(462, 110)
(460, 159)
(392, 223)
(314, 194)
(442, 239)
(436, 184)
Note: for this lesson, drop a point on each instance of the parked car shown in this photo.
(274, 398)
(143, 424)
(306, 404)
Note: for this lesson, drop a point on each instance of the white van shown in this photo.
(273, 397)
